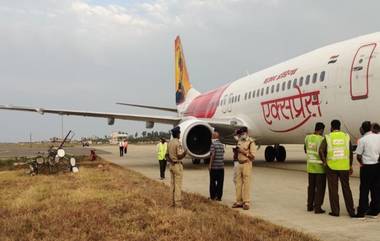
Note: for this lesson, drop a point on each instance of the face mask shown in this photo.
(244, 136)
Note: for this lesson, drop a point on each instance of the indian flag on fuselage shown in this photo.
(184, 91)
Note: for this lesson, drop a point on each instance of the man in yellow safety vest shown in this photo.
(162, 147)
(315, 169)
(336, 152)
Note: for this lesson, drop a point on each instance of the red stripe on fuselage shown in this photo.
(204, 105)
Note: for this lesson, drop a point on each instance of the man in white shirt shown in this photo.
(121, 148)
(368, 152)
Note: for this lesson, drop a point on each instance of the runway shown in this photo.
(278, 192)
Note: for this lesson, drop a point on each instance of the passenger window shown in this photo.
(307, 81)
(315, 76)
(278, 87)
(283, 86)
(253, 94)
(294, 83)
(289, 84)
(245, 96)
(262, 91)
(272, 89)
(301, 82)
(258, 92)
(249, 95)
(267, 91)
(238, 98)
(322, 76)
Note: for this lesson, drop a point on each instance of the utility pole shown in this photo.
(30, 139)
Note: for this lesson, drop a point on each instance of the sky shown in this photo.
(89, 54)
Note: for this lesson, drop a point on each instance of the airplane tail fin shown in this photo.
(184, 91)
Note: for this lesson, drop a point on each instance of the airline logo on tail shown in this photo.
(182, 83)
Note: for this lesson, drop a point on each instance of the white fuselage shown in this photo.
(339, 81)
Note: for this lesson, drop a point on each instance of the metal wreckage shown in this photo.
(55, 161)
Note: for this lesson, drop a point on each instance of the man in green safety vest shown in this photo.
(336, 153)
(161, 153)
(315, 169)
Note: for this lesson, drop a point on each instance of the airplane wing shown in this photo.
(149, 107)
(111, 116)
(226, 128)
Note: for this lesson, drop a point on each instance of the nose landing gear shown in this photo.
(277, 152)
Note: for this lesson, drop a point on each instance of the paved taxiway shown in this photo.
(278, 192)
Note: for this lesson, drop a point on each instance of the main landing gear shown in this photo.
(275, 152)
(198, 161)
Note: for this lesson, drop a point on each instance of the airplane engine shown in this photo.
(111, 121)
(196, 138)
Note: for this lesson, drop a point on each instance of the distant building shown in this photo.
(117, 136)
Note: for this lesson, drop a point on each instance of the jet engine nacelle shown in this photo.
(196, 138)
(111, 121)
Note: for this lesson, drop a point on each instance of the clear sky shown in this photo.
(89, 54)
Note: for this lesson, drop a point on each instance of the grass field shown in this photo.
(112, 203)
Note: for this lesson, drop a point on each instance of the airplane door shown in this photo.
(359, 72)
(224, 101)
(229, 108)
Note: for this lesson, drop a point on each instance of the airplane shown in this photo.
(278, 105)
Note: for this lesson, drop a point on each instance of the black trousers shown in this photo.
(316, 191)
(162, 167)
(121, 149)
(332, 178)
(369, 182)
(216, 183)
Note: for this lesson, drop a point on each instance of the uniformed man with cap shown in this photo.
(174, 155)
(315, 169)
(246, 154)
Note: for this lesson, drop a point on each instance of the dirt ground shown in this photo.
(107, 202)
(26, 150)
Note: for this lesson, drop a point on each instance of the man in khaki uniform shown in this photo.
(246, 154)
(174, 155)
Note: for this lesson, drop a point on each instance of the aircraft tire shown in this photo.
(270, 154)
(206, 161)
(196, 161)
(281, 154)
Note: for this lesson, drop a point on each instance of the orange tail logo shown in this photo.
(182, 83)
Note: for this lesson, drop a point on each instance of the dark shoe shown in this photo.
(237, 205)
(218, 199)
(358, 216)
(319, 211)
(245, 206)
(310, 209)
(333, 214)
(372, 214)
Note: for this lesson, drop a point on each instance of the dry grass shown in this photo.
(111, 203)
